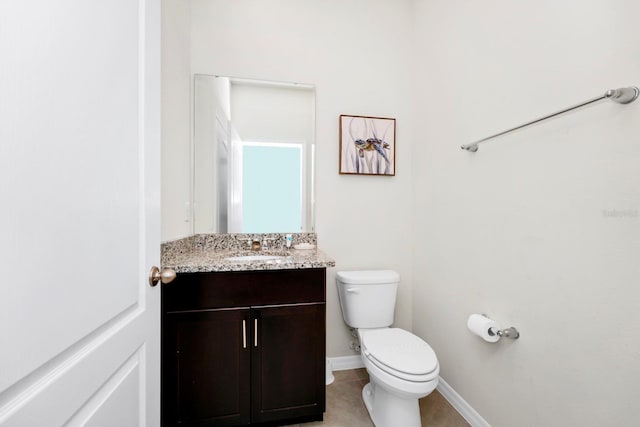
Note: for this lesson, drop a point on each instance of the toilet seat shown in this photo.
(400, 353)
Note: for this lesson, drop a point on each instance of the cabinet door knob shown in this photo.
(255, 332)
(165, 276)
(244, 334)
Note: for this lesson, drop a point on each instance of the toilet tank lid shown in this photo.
(368, 277)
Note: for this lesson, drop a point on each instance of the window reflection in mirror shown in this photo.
(253, 156)
(271, 187)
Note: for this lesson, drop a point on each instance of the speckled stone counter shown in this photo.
(206, 253)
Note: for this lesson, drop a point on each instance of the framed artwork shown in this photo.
(367, 145)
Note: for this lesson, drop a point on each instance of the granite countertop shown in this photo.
(208, 260)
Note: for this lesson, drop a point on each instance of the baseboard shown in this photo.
(461, 405)
(343, 363)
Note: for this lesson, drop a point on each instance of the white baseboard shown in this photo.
(346, 362)
(461, 405)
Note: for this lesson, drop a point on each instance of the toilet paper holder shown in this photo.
(490, 330)
(505, 333)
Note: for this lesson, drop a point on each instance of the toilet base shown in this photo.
(389, 410)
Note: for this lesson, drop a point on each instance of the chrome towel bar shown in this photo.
(623, 95)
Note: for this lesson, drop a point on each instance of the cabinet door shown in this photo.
(288, 362)
(206, 368)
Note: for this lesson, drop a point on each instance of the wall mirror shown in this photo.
(253, 156)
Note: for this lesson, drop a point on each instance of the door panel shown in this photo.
(66, 387)
(79, 166)
(116, 403)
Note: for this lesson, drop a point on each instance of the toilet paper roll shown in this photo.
(480, 325)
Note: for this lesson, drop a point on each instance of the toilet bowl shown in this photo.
(402, 367)
(402, 362)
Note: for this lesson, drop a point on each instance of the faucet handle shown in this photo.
(265, 241)
(249, 241)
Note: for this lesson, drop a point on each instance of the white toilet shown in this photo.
(402, 367)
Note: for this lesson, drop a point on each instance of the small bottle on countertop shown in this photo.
(289, 240)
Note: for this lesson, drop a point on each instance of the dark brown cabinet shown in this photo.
(243, 348)
(206, 370)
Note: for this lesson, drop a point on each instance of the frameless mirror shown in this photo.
(253, 151)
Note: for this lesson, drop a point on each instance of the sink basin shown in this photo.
(249, 258)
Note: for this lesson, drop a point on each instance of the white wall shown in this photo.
(356, 54)
(525, 229)
(176, 110)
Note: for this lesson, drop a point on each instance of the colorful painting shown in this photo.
(367, 145)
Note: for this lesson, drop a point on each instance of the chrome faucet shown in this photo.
(255, 245)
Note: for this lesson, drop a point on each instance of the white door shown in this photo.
(79, 212)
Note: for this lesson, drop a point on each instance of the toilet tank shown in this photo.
(367, 298)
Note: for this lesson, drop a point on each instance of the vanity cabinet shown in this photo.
(243, 348)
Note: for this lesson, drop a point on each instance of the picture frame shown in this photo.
(367, 145)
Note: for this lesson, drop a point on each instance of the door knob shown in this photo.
(165, 276)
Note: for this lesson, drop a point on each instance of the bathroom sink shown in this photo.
(249, 258)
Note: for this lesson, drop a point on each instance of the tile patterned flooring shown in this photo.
(346, 409)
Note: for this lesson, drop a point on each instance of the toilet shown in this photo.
(402, 367)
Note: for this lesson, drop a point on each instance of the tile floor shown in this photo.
(346, 409)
